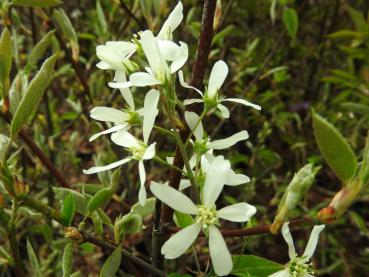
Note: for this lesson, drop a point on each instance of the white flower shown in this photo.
(202, 143)
(211, 97)
(157, 52)
(299, 266)
(207, 218)
(115, 55)
(140, 150)
(172, 22)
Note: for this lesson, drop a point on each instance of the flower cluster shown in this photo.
(206, 173)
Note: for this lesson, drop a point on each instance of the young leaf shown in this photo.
(36, 3)
(334, 148)
(5, 61)
(67, 260)
(36, 269)
(101, 17)
(68, 30)
(39, 50)
(80, 199)
(99, 199)
(112, 264)
(250, 265)
(146, 209)
(291, 22)
(68, 210)
(359, 20)
(33, 95)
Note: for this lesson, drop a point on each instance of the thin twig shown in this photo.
(257, 230)
(40, 154)
(54, 214)
(131, 14)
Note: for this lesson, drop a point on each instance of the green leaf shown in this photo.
(80, 199)
(358, 18)
(101, 17)
(250, 265)
(146, 209)
(68, 30)
(356, 108)
(127, 224)
(36, 3)
(68, 210)
(291, 22)
(112, 264)
(178, 275)
(183, 220)
(99, 199)
(67, 262)
(39, 50)
(5, 61)
(97, 223)
(4, 145)
(334, 148)
(363, 173)
(36, 269)
(33, 95)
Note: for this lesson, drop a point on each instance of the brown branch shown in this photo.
(257, 230)
(198, 72)
(40, 154)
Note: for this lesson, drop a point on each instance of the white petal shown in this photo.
(96, 169)
(108, 114)
(180, 59)
(239, 212)
(313, 241)
(243, 102)
(180, 241)
(122, 48)
(120, 85)
(105, 54)
(228, 142)
(172, 22)
(281, 273)
(150, 152)
(193, 120)
(185, 85)
(184, 183)
(191, 101)
(219, 253)
(217, 76)
(142, 172)
(216, 177)
(142, 195)
(150, 112)
(234, 179)
(125, 139)
(173, 198)
(151, 49)
(120, 77)
(168, 49)
(143, 79)
(103, 66)
(224, 112)
(108, 131)
(288, 238)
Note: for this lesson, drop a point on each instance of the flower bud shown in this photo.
(297, 188)
(72, 233)
(341, 201)
(217, 15)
